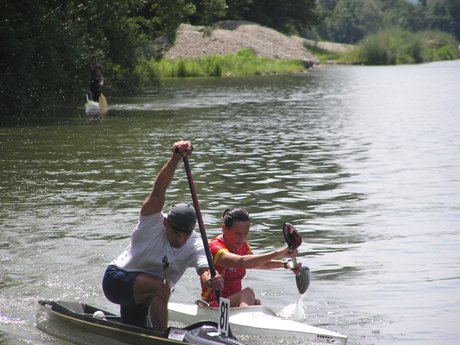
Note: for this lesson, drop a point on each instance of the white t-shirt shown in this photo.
(150, 249)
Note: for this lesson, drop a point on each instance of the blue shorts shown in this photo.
(118, 288)
(118, 285)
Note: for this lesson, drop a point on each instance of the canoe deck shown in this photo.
(255, 321)
(75, 322)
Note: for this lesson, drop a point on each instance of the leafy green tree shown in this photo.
(351, 20)
(238, 9)
(208, 12)
(416, 17)
(444, 15)
(287, 16)
(395, 13)
(454, 7)
(348, 20)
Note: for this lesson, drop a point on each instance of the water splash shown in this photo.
(294, 311)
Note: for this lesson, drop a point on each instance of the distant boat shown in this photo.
(91, 107)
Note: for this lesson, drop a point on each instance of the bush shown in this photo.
(147, 74)
(398, 46)
(446, 52)
(439, 45)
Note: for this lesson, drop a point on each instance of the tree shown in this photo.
(395, 13)
(351, 20)
(39, 57)
(208, 12)
(444, 15)
(287, 16)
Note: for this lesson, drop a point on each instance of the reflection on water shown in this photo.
(364, 161)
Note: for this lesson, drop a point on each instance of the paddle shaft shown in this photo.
(293, 241)
(196, 204)
(294, 263)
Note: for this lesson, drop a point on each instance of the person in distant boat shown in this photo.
(96, 82)
(232, 255)
(162, 247)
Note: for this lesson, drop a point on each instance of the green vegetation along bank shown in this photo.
(227, 53)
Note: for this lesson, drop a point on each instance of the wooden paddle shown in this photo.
(200, 222)
(103, 106)
(293, 241)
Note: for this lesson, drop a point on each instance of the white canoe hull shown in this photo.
(254, 321)
(96, 108)
(91, 107)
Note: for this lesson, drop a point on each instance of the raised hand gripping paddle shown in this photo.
(293, 240)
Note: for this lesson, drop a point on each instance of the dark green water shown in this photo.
(365, 161)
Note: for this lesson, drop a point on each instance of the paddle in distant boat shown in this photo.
(103, 106)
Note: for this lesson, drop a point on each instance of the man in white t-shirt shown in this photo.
(162, 247)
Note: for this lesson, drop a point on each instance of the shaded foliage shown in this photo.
(36, 48)
(47, 47)
(287, 16)
(348, 21)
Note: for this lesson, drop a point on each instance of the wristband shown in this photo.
(286, 264)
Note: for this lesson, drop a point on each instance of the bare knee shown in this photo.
(248, 293)
(163, 292)
(148, 288)
(248, 297)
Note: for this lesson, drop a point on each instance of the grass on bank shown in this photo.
(243, 63)
(325, 56)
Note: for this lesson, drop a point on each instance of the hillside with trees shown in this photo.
(47, 46)
(349, 21)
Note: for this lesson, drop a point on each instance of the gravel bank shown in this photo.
(231, 36)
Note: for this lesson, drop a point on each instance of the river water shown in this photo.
(364, 161)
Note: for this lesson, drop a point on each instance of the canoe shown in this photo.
(91, 107)
(86, 325)
(254, 321)
(96, 108)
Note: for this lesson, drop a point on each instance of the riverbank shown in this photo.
(388, 47)
(229, 37)
(239, 48)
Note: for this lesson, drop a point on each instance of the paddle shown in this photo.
(293, 241)
(224, 304)
(103, 106)
(200, 222)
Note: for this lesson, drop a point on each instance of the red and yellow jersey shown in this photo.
(232, 276)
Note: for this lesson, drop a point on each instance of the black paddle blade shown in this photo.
(303, 280)
(291, 235)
